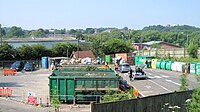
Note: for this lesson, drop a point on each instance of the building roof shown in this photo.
(152, 42)
(156, 42)
(84, 54)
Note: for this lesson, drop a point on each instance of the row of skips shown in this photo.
(192, 68)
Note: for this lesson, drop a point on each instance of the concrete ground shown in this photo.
(35, 82)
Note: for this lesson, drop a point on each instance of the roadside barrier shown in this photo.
(7, 72)
(32, 100)
(5, 91)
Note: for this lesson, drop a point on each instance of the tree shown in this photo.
(194, 105)
(39, 50)
(192, 49)
(38, 33)
(89, 30)
(113, 46)
(2, 31)
(62, 49)
(7, 52)
(184, 83)
(72, 31)
(15, 31)
(25, 52)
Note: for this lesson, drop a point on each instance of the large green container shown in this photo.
(193, 68)
(198, 68)
(139, 60)
(67, 85)
(163, 65)
(168, 65)
(107, 59)
(158, 64)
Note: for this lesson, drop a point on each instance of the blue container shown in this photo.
(44, 62)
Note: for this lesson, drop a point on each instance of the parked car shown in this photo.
(125, 67)
(18, 65)
(29, 66)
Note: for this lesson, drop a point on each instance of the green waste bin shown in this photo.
(198, 68)
(193, 68)
(158, 63)
(163, 65)
(168, 65)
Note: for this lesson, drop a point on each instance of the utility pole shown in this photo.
(187, 39)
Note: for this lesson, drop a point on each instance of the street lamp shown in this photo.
(187, 37)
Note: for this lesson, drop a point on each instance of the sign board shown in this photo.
(31, 94)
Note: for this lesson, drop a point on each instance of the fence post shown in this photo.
(92, 106)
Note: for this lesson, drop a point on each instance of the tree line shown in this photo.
(113, 40)
(36, 51)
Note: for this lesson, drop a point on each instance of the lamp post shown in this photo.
(187, 37)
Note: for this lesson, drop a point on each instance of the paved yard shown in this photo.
(35, 82)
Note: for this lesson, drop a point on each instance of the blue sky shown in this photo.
(135, 14)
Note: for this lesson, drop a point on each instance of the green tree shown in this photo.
(15, 31)
(113, 46)
(39, 51)
(38, 33)
(89, 30)
(194, 105)
(7, 52)
(192, 49)
(2, 31)
(184, 83)
(25, 52)
(62, 49)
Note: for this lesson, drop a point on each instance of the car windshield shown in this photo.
(16, 64)
(28, 65)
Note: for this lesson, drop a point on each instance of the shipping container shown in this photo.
(140, 60)
(69, 84)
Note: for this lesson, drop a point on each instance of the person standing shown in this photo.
(131, 74)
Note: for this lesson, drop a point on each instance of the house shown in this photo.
(83, 54)
(147, 45)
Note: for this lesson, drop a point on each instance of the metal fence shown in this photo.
(178, 52)
(158, 103)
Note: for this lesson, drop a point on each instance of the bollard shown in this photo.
(40, 102)
(47, 102)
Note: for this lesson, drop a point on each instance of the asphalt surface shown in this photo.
(160, 82)
(13, 106)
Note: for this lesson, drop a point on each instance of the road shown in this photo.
(13, 106)
(160, 82)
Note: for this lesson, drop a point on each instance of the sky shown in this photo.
(81, 14)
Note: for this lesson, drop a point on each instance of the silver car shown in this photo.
(125, 67)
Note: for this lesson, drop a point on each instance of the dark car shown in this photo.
(123, 85)
(29, 66)
(18, 65)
